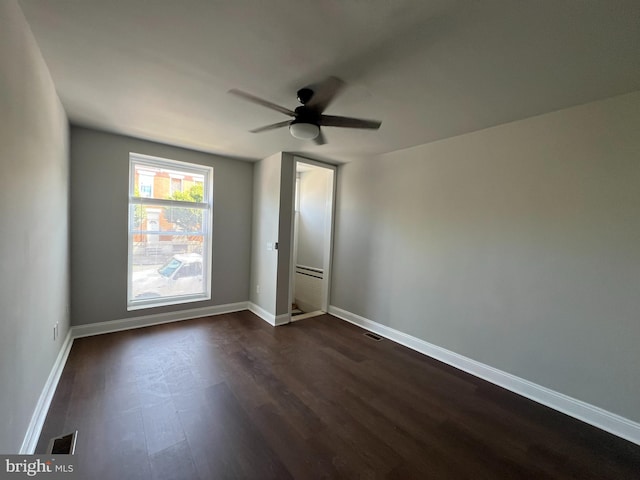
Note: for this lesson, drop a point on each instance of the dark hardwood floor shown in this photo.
(232, 397)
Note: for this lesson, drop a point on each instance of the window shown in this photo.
(145, 184)
(176, 185)
(170, 231)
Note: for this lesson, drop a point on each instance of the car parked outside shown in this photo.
(181, 275)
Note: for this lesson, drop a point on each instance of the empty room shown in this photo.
(320, 239)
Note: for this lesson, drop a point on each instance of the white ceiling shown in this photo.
(428, 69)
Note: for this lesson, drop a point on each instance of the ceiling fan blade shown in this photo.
(260, 101)
(320, 139)
(324, 93)
(271, 127)
(348, 122)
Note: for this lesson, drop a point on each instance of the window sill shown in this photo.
(166, 302)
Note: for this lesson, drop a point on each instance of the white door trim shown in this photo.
(329, 228)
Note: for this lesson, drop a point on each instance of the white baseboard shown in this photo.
(596, 416)
(91, 329)
(30, 441)
(270, 318)
(304, 316)
(282, 319)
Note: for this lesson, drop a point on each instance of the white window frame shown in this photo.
(207, 227)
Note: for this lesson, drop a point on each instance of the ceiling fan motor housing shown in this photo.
(304, 95)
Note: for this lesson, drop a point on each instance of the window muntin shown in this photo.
(170, 232)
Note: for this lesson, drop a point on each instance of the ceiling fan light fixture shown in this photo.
(304, 131)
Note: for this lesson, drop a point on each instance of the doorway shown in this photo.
(312, 232)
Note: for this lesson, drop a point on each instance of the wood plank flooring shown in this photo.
(232, 397)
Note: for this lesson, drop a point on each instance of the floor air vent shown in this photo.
(373, 336)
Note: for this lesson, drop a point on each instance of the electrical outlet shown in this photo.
(55, 331)
(257, 288)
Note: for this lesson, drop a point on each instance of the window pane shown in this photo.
(187, 220)
(168, 245)
(160, 232)
(158, 276)
(164, 222)
(168, 184)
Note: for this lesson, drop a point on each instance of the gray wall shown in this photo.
(266, 214)
(273, 188)
(285, 233)
(34, 163)
(517, 246)
(99, 196)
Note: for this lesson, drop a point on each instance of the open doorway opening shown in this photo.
(312, 238)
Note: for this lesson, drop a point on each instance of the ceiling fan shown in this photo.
(308, 118)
